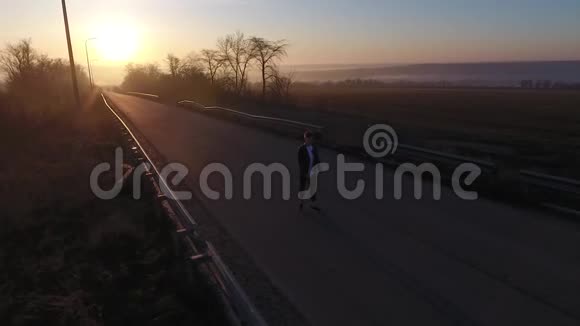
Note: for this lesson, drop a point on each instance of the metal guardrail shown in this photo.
(567, 187)
(453, 157)
(256, 117)
(144, 94)
(238, 306)
(171, 196)
(552, 182)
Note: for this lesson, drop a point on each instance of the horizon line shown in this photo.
(431, 63)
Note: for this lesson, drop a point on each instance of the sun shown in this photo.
(117, 42)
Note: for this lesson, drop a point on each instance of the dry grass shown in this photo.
(69, 258)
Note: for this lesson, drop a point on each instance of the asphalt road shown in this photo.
(369, 261)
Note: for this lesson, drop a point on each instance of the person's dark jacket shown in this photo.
(304, 160)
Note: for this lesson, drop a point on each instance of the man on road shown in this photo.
(307, 159)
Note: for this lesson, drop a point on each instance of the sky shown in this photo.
(317, 31)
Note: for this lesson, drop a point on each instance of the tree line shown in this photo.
(35, 83)
(223, 68)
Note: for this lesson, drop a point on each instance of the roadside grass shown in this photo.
(68, 257)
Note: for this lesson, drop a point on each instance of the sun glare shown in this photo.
(117, 42)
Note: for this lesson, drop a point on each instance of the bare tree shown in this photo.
(142, 78)
(16, 60)
(152, 69)
(267, 53)
(192, 63)
(191, 70)
(281, 84)
(213, 62)
(237, 53)
(226, 56)
(174, 64)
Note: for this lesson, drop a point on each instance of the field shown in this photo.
(435, 108)
(529, 128)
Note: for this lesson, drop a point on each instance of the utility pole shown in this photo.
(89, 62)
(71, 56)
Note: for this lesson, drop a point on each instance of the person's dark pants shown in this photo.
(305, 185)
